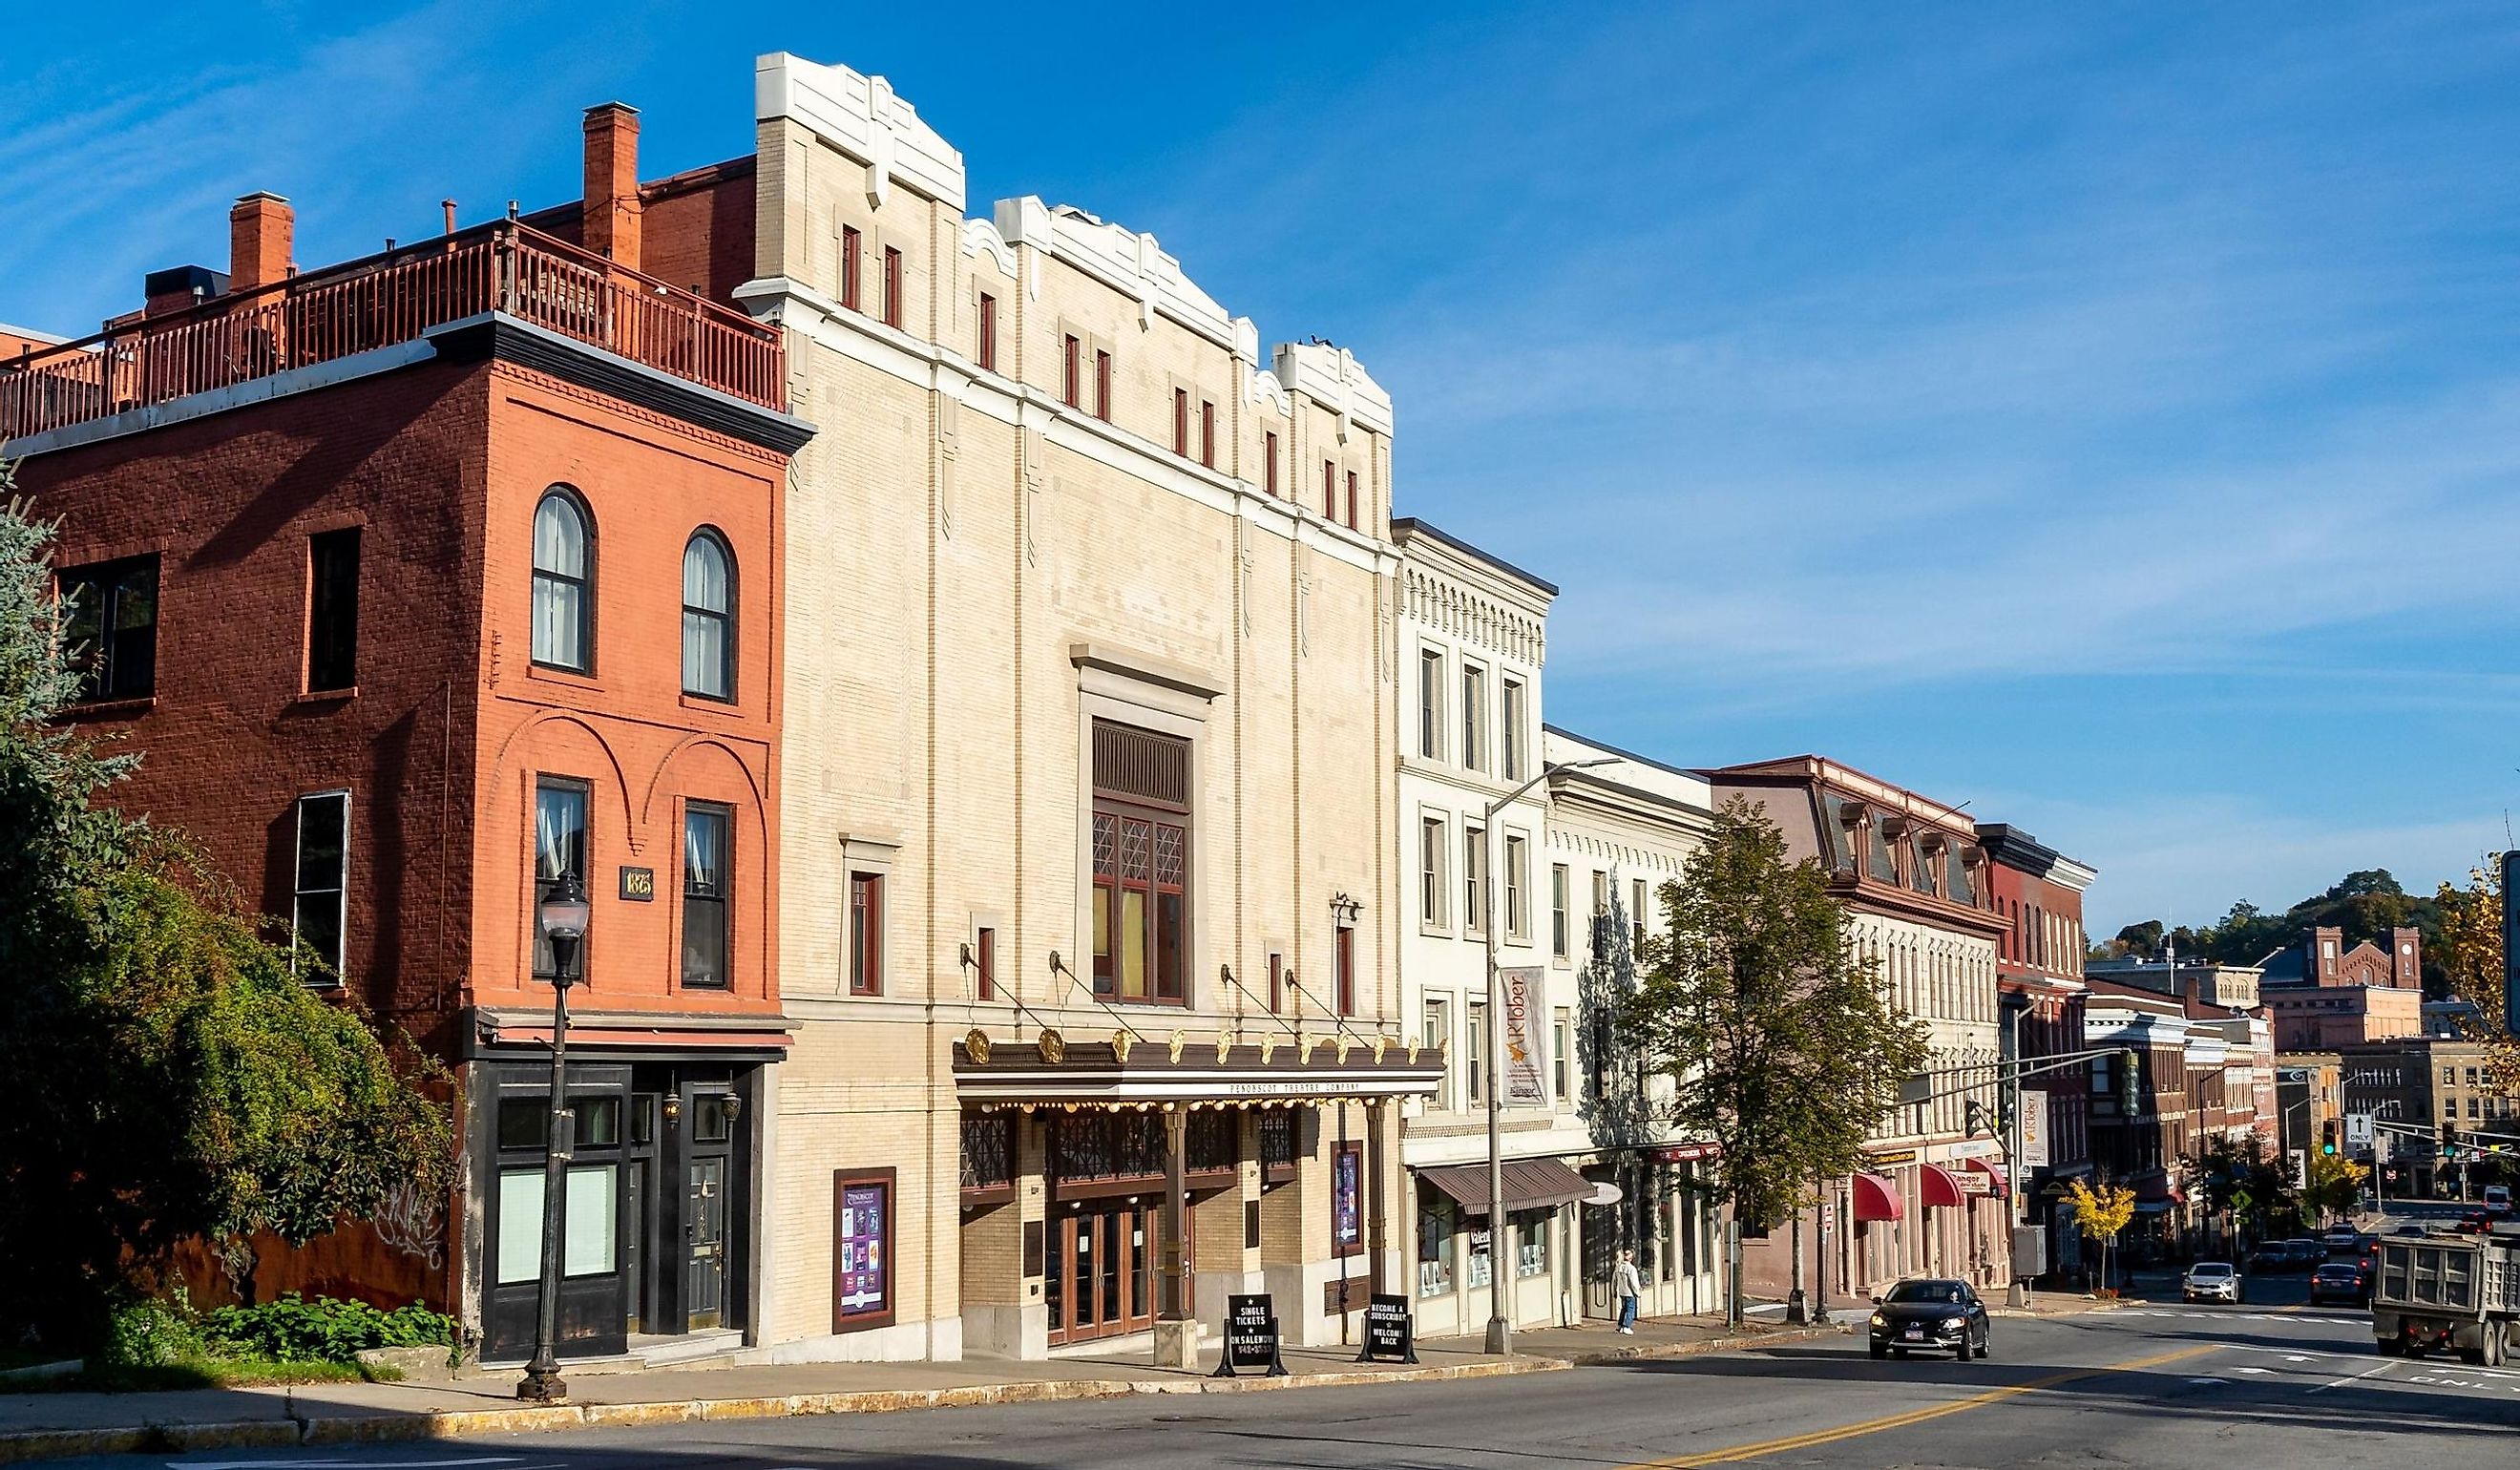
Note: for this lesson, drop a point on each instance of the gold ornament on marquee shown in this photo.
(975, 1046)
(1268, 1046)
(1053, 1046)
(1178, 1037)
(1223, 1046)
(1380, 1044)
(1344, 1042)
(1120, 1042)
(1413, 1051)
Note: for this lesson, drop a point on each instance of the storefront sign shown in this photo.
(1688, 1153)
(1974, 1180)
(1390, 1336)
(1884, 1160)
(1526, 1055)
(862, 1247)
(1250, 1338)
(1348, 1219)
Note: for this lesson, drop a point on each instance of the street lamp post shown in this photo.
(563, 921)
(1500, 1326)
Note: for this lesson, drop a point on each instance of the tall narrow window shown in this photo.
(1562, 1037)
(564, 628)
(1637, 917)
(320, 913)
(1430, 870)
(1344, 956)
(333, 611)
(1351, 500)
(1329, 490)
(1277, 981)
(1474, 717)
(1103, 387)
(1181, 422)
(1509, 718)
(110, 617)
(560, 846)
(892, 284)
(708, 617)
(1207, 434)
(988, 345)
(1474, 881)
(1072, 371)
(1437, 1030)
(1475, 1052)
(1269, 463)
(1140, 848)
(851, 247)
(866, 934)
(985, 962)
(1430, 703)
(1518, 886)
(1602, 930)
(1560, 922)
(707, 836)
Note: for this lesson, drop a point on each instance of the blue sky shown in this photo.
(2107, 416)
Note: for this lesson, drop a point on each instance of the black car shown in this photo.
(2340, 1281)
(1930, 1315)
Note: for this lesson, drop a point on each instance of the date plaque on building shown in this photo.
(638, 885)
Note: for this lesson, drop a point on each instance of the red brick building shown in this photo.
(419, 580)
(2039, 966)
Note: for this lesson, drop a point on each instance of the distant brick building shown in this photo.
(2324, 995)
(2038, 968)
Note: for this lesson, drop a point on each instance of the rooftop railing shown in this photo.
(384, 301)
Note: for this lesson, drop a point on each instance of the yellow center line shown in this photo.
(1912, 1416)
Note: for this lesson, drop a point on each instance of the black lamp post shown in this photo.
(563, 917)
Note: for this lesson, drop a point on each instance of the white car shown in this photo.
(2211, 1281)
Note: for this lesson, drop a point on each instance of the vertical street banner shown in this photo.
(2511, 947)
(1526, 1036)
(2033, 1129)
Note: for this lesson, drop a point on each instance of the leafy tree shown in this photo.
(2335, 1184)
(177, 1080)
(2240, 1176)
(1779, 1040)
(2099, 1215)
(2470, 953)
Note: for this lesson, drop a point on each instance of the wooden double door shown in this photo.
(1099, 1278)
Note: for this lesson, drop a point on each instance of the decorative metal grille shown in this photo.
(988, 1150)
(1140, 764)
(1278, 1139)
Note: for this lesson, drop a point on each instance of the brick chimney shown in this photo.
(613, 209)
(2405, 960)
(261, 228)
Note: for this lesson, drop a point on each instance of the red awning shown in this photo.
(2158, 1187)
(1876, 1198)
(1937, 1188)
(1993, 1169)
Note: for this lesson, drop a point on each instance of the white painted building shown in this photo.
(1617, 833)
(1472, 640)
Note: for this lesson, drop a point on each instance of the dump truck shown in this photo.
(2450, 1293)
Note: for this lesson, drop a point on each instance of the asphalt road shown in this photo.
(2267, 1384)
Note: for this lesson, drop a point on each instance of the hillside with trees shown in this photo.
(2366, 905)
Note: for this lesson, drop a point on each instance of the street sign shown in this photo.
(2358, 1130)
(2301, 1167)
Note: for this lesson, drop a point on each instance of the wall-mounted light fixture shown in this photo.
(1345, 908)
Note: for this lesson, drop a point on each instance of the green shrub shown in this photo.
(327, 1330)
(146, 1333)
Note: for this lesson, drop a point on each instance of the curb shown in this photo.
(447, 1424)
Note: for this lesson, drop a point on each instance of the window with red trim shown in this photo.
(1140, 850)
(866, 934)
(1351, 500)
(1329, 489)
(1345, 955)
(1207, 434)
(891, 286)
(850, 241)
(1181, 422)
(988, 332)
(1103, 387)
(1072, 382)
(1268, 462)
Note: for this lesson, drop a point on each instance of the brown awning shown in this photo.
(1529, 1185)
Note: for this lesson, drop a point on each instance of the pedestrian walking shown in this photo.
(1627, 1283)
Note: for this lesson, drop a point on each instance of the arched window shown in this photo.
(563, 583)
(708, 617)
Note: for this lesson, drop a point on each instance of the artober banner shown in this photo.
(1526, 1037)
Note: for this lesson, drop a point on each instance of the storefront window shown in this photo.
(1437, 1220)
(1477, 1272)
(589, 1238)
(1531, 1245)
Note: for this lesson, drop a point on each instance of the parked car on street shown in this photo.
(2211, 1281)
(2340, 1282)
(2498, 1199)
(2310, 1251)
(1926, 1314)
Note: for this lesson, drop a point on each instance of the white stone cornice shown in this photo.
(865, 121)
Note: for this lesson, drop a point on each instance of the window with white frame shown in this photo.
(1430, 703)
(1560, 922)
(1474, 717)
(1509, 730)
(1474, 879)
(1431, 887)
(1437, 1024)
(320, 912)
(1518, 886)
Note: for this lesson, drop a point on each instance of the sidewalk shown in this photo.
(40, 1426)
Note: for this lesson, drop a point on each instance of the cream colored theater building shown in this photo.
(1088, 768)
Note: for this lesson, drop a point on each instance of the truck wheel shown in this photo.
(2473, 1356)
(2497, 1346)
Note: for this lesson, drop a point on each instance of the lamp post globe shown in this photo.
(564, 914)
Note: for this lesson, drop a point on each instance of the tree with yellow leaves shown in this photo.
(2335, 1184)
(2100, 1213)
(2470, 950)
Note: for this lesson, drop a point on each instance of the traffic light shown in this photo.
(2448, 1141)
(1978, 1122)
(2328, 1136)
(2130, 1104)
